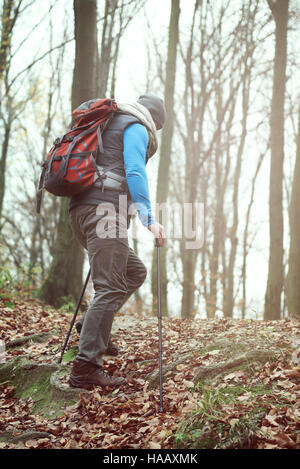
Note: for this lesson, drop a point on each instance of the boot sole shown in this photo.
(88, 387)
(91, 386)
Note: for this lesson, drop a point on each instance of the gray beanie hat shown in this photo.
(155, 106)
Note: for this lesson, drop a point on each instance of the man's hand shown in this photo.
(158, 231)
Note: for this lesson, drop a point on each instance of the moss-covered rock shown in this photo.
(42, 382)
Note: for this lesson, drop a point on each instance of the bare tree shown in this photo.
(115, 16)
(293, 279)
(9, 15)
(246, 243)
(246, 41)
(31, 245)
(218, 58)
(91, 77)
(68, 254)
(211, 87)
(279, 10)
(166, 145)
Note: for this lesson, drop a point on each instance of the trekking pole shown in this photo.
(159, 327)
(74, 316)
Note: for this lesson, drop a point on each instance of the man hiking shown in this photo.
(100, 224)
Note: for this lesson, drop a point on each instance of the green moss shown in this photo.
(35, 381)
(35, 388)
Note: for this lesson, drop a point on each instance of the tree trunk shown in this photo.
(218, 232)
(104, 60)
(233, 232)
(65, 274)
(3, 164)
(275, 275)
(246, 235)
(165, 151)
(293, 279)
(84, 80)
(189, 258)
(10, 12)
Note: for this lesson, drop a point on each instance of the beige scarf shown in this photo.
(142, 114)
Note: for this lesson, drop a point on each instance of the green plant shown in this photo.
(68, 305)
(207, 426)
(6, 279)
(27, 276)
(70, 354)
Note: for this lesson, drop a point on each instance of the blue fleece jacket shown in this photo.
(135, 140)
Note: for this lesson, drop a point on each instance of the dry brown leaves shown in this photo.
(130, 417)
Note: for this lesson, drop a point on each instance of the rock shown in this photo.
(41, 382)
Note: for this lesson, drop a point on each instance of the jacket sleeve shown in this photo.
(135, 141)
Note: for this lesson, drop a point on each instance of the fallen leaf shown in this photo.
(188, 384)
(154, 445)
(235, 374)
(31, 444)
(270, 419)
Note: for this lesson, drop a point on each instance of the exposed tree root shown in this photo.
(42, 337)
(208, 372)
(8, 436)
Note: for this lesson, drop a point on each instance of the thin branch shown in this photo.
(38, 60)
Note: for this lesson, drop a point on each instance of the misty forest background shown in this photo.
(229, 74)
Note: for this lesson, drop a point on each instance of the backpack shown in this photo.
(70, 166)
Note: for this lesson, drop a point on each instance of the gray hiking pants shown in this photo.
(116, 273)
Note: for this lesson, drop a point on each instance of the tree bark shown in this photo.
(84, 79)
(275, 276)
(165, 150)
(189, 258)
(293, 279)
(104, 59)
(10, 12)
(3, 159)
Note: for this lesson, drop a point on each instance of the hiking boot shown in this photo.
(78, 327)
(87, 375)
(111, 348)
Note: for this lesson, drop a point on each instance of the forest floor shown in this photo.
(227, 383)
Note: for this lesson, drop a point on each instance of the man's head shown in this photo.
(156, 108)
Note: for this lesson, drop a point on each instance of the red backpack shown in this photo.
(70, 166)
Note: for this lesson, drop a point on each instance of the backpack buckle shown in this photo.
(57, 142)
